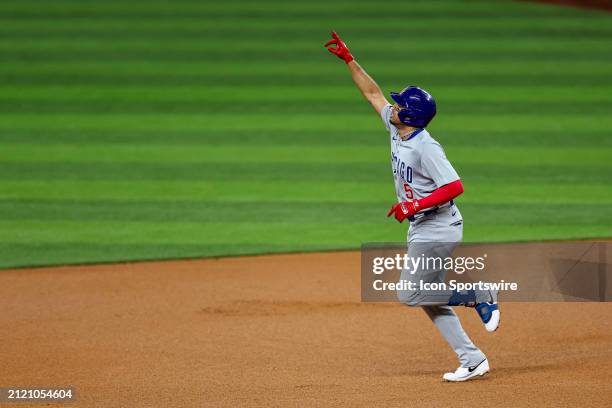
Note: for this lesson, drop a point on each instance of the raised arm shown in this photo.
(366, 85)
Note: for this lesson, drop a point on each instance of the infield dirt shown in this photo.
(283, 330)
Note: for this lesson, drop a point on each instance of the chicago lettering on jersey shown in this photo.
(399, 167)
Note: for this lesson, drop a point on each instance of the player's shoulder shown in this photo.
(429, 146)
(386, 110)
(385, 115)
(426, 139)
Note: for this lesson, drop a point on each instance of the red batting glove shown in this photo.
(404, 210)
(341, 50)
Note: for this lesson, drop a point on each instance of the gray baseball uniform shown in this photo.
(419, 167)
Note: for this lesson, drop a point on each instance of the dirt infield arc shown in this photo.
(284, 330)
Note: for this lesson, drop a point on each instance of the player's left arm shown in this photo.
(436, 165)
(438, 197)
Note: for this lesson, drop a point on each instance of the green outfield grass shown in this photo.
(151, 130)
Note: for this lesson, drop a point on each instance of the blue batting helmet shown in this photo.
(418, 106)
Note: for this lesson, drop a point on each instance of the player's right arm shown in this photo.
(368, 88)
(366, 85)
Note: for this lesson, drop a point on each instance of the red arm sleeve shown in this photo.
(442, 195)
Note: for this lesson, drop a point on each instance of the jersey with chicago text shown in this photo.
(419, 164)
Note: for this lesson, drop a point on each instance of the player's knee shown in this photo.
(409, 297)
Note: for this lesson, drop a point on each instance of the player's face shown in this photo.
(394, 117)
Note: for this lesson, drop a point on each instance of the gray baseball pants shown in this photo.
(437, 235)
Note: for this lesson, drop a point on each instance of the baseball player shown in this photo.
(426, 184)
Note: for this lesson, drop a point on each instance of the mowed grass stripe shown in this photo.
(192, 70)
(263, 137)
(254, 122)
(319, 66)
(283, 107)
(489, 192)
(76, 252)
(201, 233)
(191, 211)
(221, 238)
(70, 7)
(536, 46)
(340, 94)
(272, 56)
(502, 72)
(469, 30)
(571, 157)
(290, 212)
(571, 23)
(388, 81)
(276, 99)
(438, 10)
(296, 137)
(339, 172)
(276, 10)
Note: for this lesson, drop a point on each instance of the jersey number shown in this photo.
(408, 190)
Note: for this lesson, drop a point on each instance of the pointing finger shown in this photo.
(330, 42)
(335, 35)
(391, 211)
